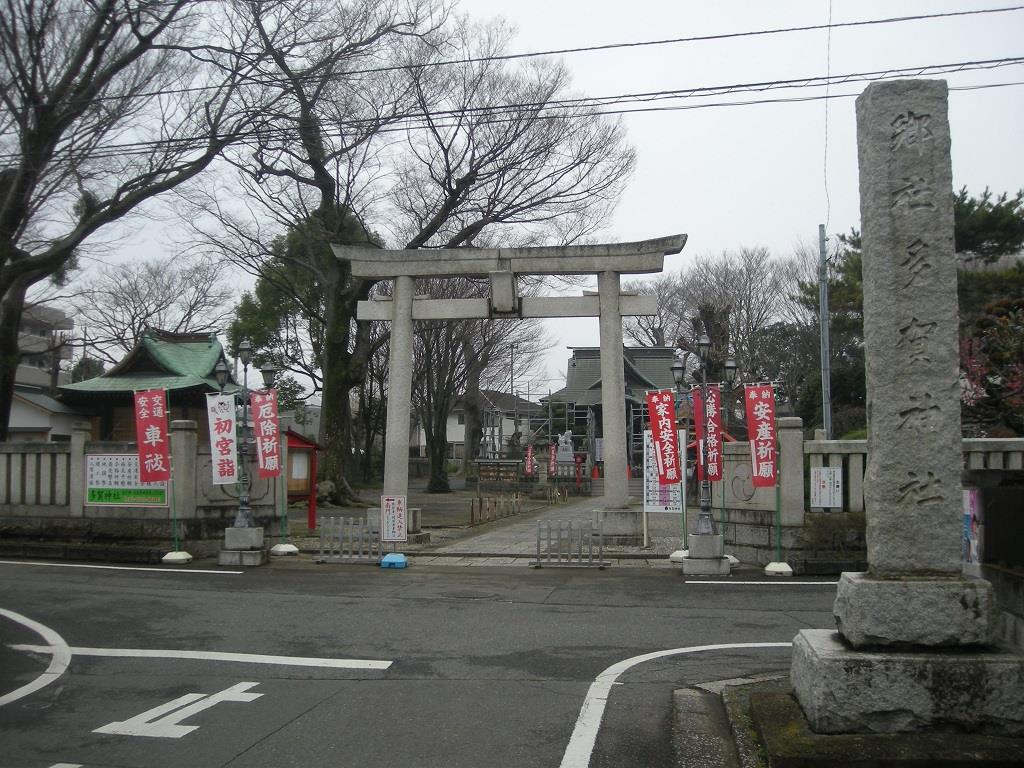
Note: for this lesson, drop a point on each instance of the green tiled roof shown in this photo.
(161, 360)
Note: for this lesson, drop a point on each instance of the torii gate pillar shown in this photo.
(502, 266)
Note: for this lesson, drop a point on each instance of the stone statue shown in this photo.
(565, 440)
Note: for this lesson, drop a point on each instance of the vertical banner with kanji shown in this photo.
(268, 441)
(708, 432)
(529, 460)
(760, 401)
(661, 410)
(151, 435)
(220, 412)
(552, 459)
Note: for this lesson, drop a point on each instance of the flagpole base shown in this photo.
(778, 569)
(176, 558)
(281, 550)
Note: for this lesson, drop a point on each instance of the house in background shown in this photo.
(35, 414)
(502, 415)
(645, 368)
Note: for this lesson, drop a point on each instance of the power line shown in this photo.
(592, 48)
(600, 105)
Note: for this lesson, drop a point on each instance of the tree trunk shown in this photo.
(11, 306)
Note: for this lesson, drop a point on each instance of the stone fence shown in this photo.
(815, 537)
(43, 503)
(44, 509)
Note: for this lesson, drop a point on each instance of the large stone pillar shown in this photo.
(613, 392)
(396, 441)
(904, 617)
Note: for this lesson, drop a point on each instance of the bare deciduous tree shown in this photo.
(182, 296)
(103, 105)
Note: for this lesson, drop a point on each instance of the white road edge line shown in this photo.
(780, 582)
(119, 567)
(58, 663)
(248, 658)
(584, 735)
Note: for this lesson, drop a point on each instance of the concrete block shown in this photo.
(706, 546)
(906, 612)
(842, 690)
(243, 538)
(718, 566)
(246, 557)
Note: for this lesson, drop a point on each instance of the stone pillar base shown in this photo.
(843, 690)
(247, 557)
(243, 538)
(706, 545)
(713, 566)
(243, 546)
(949, 612)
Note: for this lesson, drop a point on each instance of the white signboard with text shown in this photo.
(827, 487)
(393, 521)
(657, 497)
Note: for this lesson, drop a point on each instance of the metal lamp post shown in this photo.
(705, 522)
(243, 518)
(678, 372)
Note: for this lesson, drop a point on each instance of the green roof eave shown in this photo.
(124, 385)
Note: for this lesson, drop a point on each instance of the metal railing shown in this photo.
(348, 540)
(571, 543)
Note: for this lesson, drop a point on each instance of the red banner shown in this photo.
(552, 459)
(760, 402)
(661, 411)
(268, 440)
(151, 435)
(708, 432)
(529, 460)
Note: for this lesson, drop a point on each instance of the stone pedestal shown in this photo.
(856, 691)
(243, 546)
(947, 613)
(706, 555)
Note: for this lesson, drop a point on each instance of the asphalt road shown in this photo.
(488, 666)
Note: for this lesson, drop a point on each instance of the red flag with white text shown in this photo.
(661, 411)
(268, 438)
(760, 405)
(151, 435)
(708, 431)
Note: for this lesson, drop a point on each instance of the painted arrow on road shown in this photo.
(163, 721)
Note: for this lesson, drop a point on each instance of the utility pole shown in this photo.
(826, 385)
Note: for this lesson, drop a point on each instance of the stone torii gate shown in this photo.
(502, 266)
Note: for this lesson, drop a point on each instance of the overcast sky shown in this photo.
(735, 176)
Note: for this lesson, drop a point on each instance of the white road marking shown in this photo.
(163, 721)
(249, 658)
(120, 567)
(58, 663)
(781, 582)
(584, 735)
(67, 765)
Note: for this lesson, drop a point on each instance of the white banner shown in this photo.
(220, 412)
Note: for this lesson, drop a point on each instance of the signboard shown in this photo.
(393, 522)
(658, 497)
(529, 460)
(760, 407)
(268, 439)
(151, 436)
(827, 487)
(661, 412)
(112, 480)
(220, 412)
